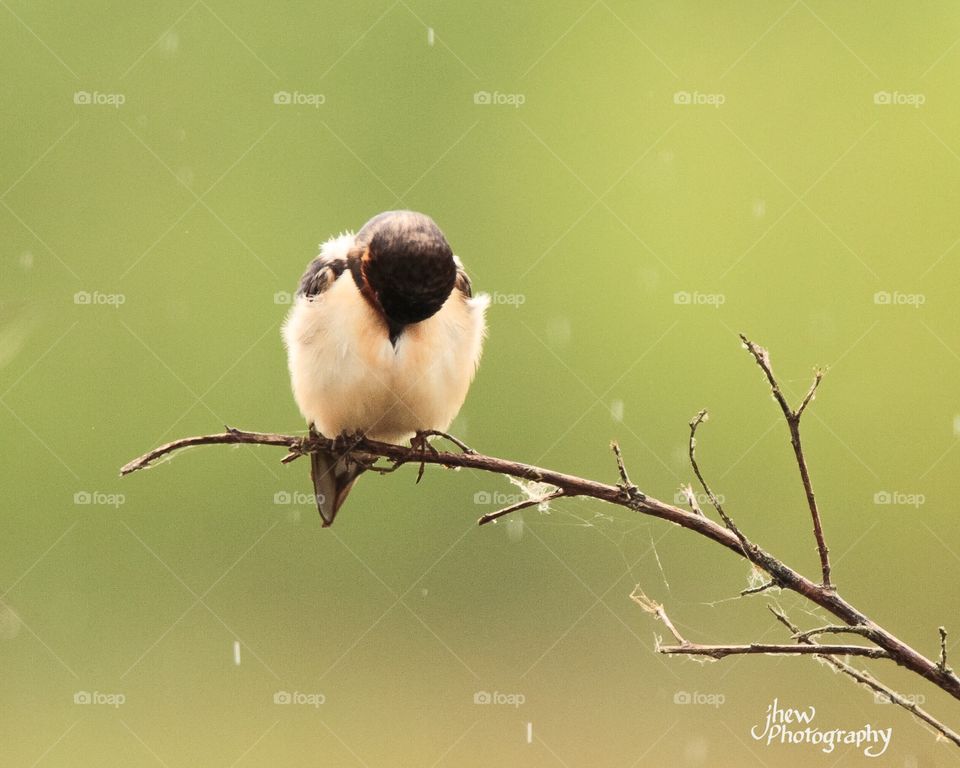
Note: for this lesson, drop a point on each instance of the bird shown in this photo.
(383, 339)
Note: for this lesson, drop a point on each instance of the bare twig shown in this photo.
(866, 632)
(692, 452)
(652, 606)
(942, 664)
(686, 648)
(491, 516)
(793, 423)
(624, 477)
(630, 491)
(772, 649)
(691, 497)
(756, 590)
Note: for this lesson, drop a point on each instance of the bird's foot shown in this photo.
(345, 442)
(437, 433)
(420, 443)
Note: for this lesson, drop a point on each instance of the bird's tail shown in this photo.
(333, 477)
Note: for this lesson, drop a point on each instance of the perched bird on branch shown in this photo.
(383, 339)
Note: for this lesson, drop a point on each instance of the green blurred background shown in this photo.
(625, 235)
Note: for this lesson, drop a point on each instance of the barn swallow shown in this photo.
(383, 339)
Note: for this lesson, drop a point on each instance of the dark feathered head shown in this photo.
(405, 266)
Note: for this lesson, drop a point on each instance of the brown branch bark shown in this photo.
(772, 649)
(762, 356)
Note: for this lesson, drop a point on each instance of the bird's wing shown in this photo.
(462, 282)
(333, 476)
(321, 274)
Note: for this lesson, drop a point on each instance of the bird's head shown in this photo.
(404, 267)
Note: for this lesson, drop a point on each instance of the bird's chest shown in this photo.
(365, 383)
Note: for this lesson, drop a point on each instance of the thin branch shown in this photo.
(811, 393)
(773, 649)
(691, 497)
(686, 648)
(692, 452)
(942, 664)
(230, 436)
(762, 356)
(629, 489)
(757, 590)
(491, 516)
(653, 607)
(866, 632)
(624, 477)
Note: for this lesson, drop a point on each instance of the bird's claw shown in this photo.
(420, 442)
